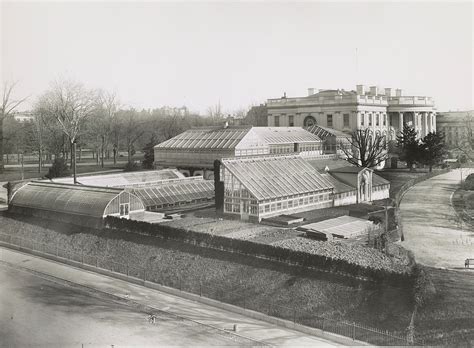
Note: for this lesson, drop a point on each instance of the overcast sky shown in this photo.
(239, 53)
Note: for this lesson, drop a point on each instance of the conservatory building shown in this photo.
(260, 187)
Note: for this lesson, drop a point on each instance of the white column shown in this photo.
(400, 121)
(425, 124)
(433, 119)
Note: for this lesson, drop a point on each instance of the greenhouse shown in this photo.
(124, 179)
(194, 151)
(265, 186)
(176, 193)
(77, 204)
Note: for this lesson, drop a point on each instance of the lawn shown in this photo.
(399, 177)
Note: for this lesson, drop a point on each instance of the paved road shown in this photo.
(74, 316)
(431, 227)
(40, 313)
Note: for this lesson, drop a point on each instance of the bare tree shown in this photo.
(466, 143)
(215, 112)
(131, 128)
(70, 104)
(367, 149)
(8, 106)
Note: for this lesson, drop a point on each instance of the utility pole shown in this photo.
(74, 161)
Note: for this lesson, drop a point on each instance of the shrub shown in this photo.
(469, 182)
(58, 169)
(423, 289)
(131, 167)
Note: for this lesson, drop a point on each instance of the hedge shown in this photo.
(272, 252)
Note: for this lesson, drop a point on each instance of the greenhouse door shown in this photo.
(124, 209)
(244, 210)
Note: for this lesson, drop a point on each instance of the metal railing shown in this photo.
(297, 315)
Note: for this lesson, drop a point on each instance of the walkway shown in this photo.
(431, 227)
(249, 328)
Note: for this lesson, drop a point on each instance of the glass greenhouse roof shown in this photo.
(270, 177)
(324, 132)
(181, 191)
(64, 198)
(284, 135)
(211, 138)
(123, 179)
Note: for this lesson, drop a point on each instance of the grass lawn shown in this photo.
(399, 177)
(11, 174)
(463, 203)
(450, 311)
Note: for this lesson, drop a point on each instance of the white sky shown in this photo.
(239, 53)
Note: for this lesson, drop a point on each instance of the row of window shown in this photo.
(377, 120)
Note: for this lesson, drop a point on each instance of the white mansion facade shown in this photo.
(384, 110)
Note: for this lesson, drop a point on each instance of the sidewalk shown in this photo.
(208, 315)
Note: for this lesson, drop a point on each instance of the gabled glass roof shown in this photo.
(270, 177)
(181, 191)
(206, 138)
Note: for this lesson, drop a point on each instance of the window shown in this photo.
(291, 120)
(362, 117)
(309, 121)
(370, 120)
(290, 204)
(329, 120)
(384, 119)
(377, 120)
(277, 121)
(346, 120)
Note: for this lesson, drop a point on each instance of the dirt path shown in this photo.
(432, 228)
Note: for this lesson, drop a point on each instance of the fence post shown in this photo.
(57, 249)
(180, 284)
(200, 290)
(97, 262)
(323, 324)
(353, 331)
(294, 316)
(128, 270)
(82, 256)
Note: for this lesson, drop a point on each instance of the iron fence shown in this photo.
(215, 292)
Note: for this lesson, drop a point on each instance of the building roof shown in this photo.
(341, 227)
(331, 163)
(185, 190)
(339, 187)
(210, 138)
(268, 177)
(324, 132)
(65, 198)
(378, 180)
(284, 135)
(348, 169)
(124, 179)
(453, 116)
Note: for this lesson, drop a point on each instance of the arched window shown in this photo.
(309, 121)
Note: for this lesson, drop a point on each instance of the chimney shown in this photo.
(218, 187)
(388, 92)
(374, 90)
(360, 89)
(398, 92)
(310, 91)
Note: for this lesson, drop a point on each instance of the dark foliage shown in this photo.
(432, 149)
(58, 169)
(132, 167)
(149, 153)
(408, 146)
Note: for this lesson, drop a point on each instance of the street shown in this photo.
(71, 316)
(431, 227)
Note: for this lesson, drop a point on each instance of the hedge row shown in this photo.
(257, 249)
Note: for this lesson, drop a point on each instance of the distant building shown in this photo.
(24, 116)
(455, 126)
(385, 111)
(194, 151)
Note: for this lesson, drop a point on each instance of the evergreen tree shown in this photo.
(149, 153)
(433, 149)
(408, 146)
